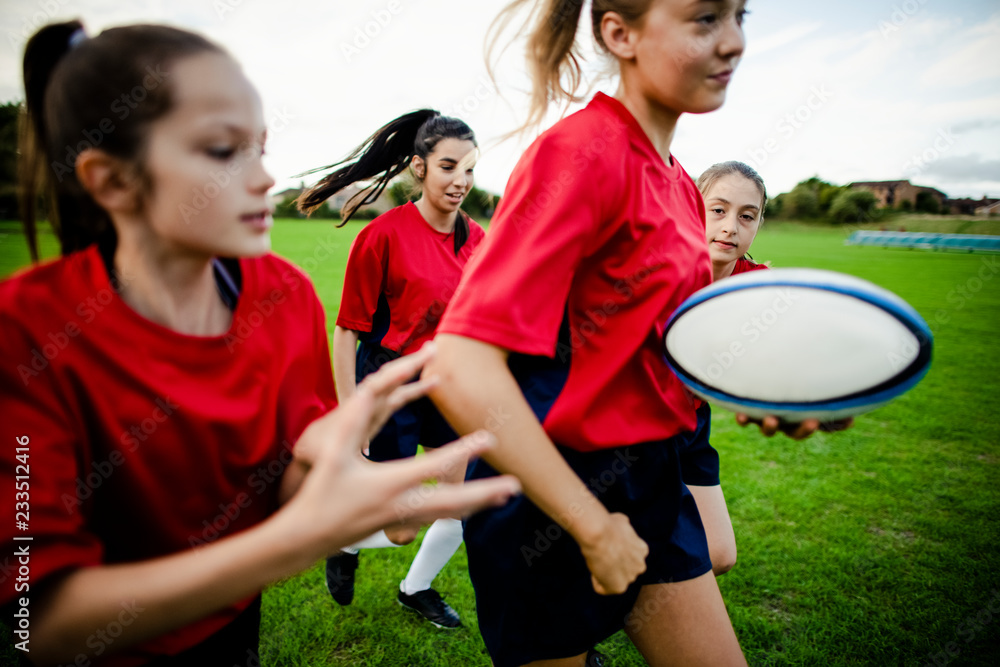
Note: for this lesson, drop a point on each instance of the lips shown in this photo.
(259, 220)
(455, 197)
(722, 77)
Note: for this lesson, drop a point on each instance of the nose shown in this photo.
(259, 179)
(731, 41)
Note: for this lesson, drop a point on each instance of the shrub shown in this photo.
(853, 206)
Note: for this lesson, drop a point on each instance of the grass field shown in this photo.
(876, 546)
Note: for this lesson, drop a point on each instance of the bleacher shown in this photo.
(926, 241)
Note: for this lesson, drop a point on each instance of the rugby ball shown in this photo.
(797, 344)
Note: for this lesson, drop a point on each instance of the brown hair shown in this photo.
(717, 171)
(383, 156)
(552, 53)
(81, 93)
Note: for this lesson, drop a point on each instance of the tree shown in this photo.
(9, 114)
(801, 202)
(927, 203)
(853, 206)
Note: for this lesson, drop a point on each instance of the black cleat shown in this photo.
(595, 659)
(340, 577)
(430, 605)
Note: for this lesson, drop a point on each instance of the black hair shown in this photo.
(75, 89)
(383, 156)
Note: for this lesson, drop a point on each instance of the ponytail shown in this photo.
(383, 156)
(41, 55)
(73, 102)
(552, 52)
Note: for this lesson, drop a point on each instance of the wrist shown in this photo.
(589, 521)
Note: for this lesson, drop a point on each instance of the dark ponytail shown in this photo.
(82, 93)
(383, 156)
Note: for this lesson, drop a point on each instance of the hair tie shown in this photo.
(76, 38)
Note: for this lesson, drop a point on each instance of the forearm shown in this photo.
(345, 346)
(477, 391)
(160, 595)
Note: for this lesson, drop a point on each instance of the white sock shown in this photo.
(441, 541)
(376, 541)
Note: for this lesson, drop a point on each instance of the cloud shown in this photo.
(961, 168)
(781, 38)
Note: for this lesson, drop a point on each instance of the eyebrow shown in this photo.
(726, 201)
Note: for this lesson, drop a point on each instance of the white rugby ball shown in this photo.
(797, 344)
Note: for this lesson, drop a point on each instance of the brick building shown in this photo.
(891, 194)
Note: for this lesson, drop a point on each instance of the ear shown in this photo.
(618, 37)
(419, 166)
(107, 180)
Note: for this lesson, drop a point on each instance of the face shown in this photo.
(209, 187)
(447, 173)
(686, 52)
(732, 217)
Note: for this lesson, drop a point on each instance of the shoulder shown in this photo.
(275, 277)
(44, 290)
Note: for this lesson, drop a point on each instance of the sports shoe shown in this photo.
(340, 577)
(595, 659)
(430, 605)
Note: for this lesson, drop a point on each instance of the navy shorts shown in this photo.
(699, 460)
(534, 595)
(417, 423)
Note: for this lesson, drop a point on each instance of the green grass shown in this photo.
(878, 545)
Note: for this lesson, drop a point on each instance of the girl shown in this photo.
(402, 271)
(556, 326)
(734, 207)
(157, 377)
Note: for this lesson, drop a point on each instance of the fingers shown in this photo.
(410, 392)
(439, 463)
(428, 503)
(396, 372)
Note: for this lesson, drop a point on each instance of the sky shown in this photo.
(854, 90)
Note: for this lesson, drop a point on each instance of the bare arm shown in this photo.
(342, 499)
(345, 345)
(477, 390)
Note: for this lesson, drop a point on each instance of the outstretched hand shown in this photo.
(796, 431)
(345, 497)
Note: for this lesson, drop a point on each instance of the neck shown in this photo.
(656, 121)
(722, 270)
(175, 290)
(439, 220)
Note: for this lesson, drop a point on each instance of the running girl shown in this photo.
(556, 325)
(402, 270)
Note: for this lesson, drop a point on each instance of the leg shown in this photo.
(718, 526)
(440, 543)
(684, 623)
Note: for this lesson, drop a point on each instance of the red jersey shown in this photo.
(595, 243)
(401, 263)
(139, 441)
(743, 265)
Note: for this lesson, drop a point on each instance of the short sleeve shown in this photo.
(41, 466)
(514, 291)
(364, 279)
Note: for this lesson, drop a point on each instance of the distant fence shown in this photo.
(965, 242)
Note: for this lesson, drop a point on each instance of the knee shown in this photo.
(724, 560)
(401, 535)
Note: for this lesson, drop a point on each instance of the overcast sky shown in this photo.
(850, 90)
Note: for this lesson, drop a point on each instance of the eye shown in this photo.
(741, 14)
(718, 210)
(221, 152)
(708, 19)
